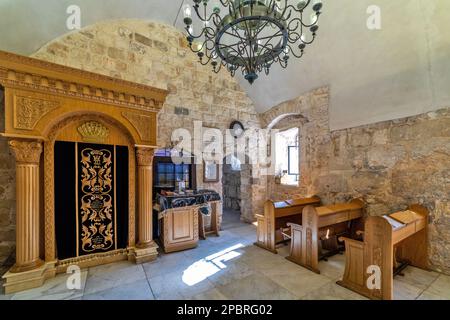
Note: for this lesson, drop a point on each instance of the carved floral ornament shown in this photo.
(28, 111)
(26, 151)
(142, 123)
(144, 156)
(93, 131)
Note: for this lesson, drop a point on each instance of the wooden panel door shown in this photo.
(181, 225)
(180, 229)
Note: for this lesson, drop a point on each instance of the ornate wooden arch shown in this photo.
(43, 98)
(60, 127)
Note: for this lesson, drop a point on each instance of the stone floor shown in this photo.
(226, 267)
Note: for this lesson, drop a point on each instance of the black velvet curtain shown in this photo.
(94, 179)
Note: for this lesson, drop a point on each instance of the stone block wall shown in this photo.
(7, 193)
(390, 165)
(157, 55)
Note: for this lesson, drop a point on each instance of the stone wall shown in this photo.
(157, 55)
(390, 164)
(7, 193)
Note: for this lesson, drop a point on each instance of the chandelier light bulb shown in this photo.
(314, 18)
(187, 11)
(196, 46)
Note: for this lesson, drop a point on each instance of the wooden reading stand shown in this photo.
(320, 230)
(276, 217)
(391, 243)
(216, 213)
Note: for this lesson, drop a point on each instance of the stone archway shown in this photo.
(237, 187)
(231, 181)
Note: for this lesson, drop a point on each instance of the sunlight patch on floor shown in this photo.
(206, 267)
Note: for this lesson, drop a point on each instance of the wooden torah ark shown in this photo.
(322, 225)
(46, 103)
(276, 216)
(390, 243)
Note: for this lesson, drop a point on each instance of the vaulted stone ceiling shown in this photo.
(374, 75)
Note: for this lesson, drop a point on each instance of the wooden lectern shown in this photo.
(390, 244)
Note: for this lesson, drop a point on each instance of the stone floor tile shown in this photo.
(183, 284)
(300, 284)
(405, 291)
(440, 287)
(257, 287)
(234, 271)
(112, 275)
(139, 290)
(213, 294)
(334, 267)
(417, 277)
(54, 289)
(332, 291)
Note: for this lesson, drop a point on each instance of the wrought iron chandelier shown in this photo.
(251, 35)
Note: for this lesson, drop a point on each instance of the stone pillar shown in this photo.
(146, 247)
(27, 154)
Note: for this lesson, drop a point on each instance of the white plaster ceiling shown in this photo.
(401, 70)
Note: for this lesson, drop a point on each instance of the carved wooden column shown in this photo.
(145, 204)
(27, 154)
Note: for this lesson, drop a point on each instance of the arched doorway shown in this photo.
(237, 196)
(231, 181)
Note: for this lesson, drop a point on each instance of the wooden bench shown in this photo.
(276, 217)
(317, 237)
(390, 244)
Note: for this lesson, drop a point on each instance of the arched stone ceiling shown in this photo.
(401, 70)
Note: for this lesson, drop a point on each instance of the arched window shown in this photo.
(287, 156)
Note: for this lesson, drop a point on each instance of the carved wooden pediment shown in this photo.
(38, 94)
